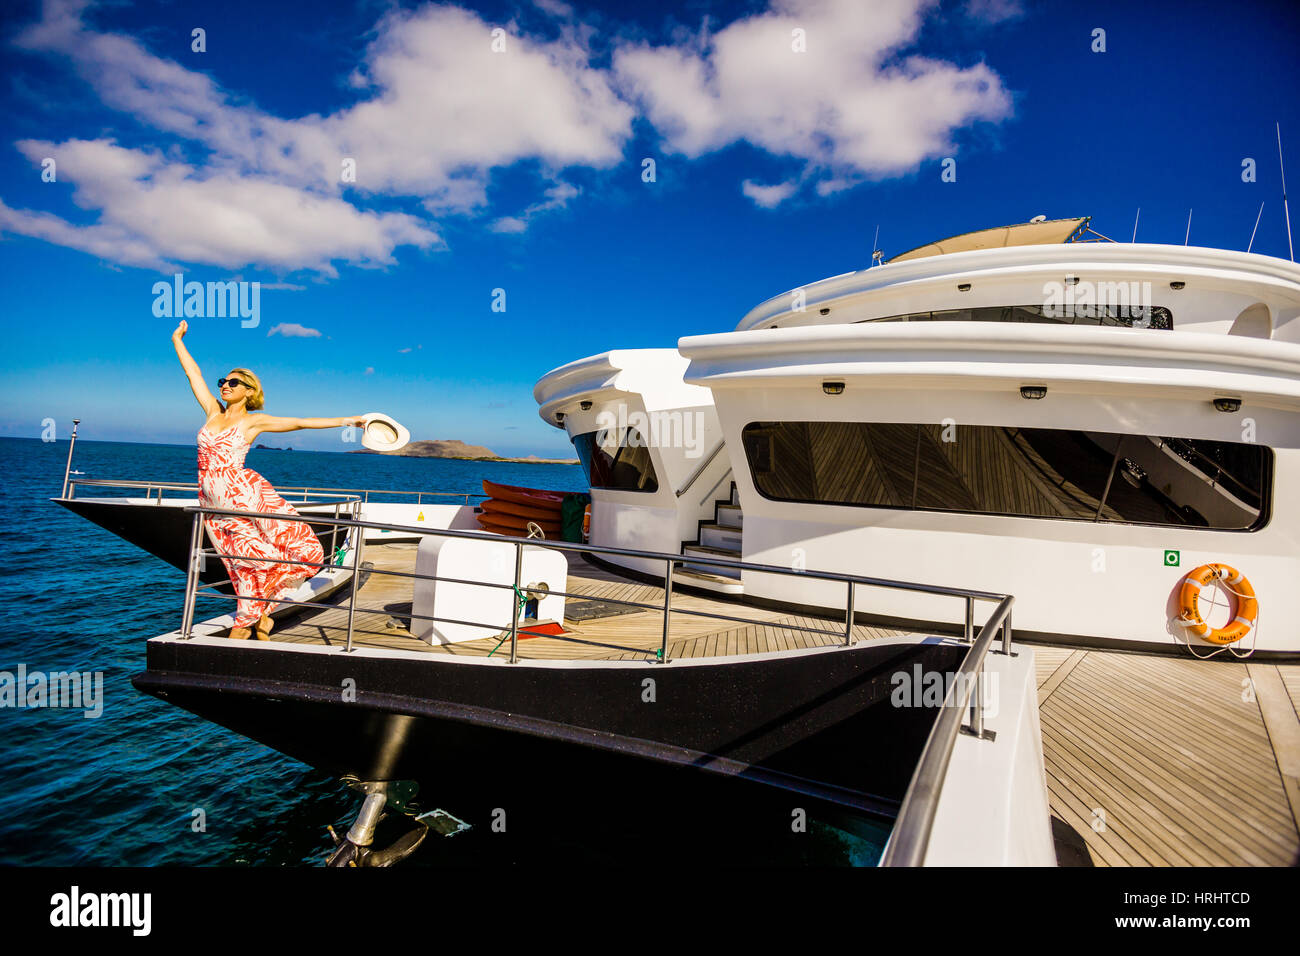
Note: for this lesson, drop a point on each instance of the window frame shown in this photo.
(1267, 477)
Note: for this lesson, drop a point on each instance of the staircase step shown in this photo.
(704, 550)
(730, 516)
(721, 536)
(708, 581)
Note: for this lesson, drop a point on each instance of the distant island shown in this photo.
(272, 448)
(453, 448)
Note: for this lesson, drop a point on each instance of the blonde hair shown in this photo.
(257, 399)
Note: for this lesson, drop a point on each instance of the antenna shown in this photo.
(1252, 232)
(1286, 209)
(1135, 225)
(875, 247)
(1189, 227)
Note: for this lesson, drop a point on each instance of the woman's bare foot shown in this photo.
(264, 628)
(239, 633)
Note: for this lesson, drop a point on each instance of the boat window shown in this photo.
(617, 459)
(1117, 312)
(1022, 472)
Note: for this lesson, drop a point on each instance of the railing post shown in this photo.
(356, 573)
(67, 470)
(977, 703)
(514, 604)
(334, 532)
(970, 619)
(848, 618)
(668, 609)
(1006, 633)
(191, 576)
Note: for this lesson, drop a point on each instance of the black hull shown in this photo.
(819, 725)
(163, 530)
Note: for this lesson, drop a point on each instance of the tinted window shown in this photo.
(1028, 472)
(1066, 314)
(616, 459)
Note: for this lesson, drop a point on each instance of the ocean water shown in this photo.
(130, 787)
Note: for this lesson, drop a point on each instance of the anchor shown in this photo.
(355, 849)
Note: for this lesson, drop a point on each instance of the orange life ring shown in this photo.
(1245, 610)
(586, 520)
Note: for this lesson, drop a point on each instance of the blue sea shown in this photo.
(132, 787)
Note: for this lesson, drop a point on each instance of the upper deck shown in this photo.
(1201, 289)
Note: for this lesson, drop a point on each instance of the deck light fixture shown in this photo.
(1033, 391)
(832, 388)
(1177, 284)
(1228, 404)
(964, 287)
(1071, 280)
(825, 310)
(584, 405)
(559, 418)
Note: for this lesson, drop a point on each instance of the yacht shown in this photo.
(930, 550)
(1078, 423)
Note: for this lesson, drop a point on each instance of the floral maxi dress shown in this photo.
(224, 482)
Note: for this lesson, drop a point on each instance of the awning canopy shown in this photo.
(1047, 232)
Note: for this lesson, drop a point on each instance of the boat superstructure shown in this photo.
(1080, 424)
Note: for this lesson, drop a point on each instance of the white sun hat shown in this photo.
(382, 433)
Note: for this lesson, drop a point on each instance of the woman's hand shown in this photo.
(180, 331)
(357, 420)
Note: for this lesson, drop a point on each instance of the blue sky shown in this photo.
(521, 169)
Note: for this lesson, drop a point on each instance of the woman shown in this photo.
(232, 425)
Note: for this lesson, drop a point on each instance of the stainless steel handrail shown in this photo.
(300, 490)
(670, 560)
(700, 470)
(160, 486)
(657, 556)
(911, 835)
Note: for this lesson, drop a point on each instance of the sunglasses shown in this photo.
(221, 382)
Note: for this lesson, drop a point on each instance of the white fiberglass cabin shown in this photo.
(1078, 423)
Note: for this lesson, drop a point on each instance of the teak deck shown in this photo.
(1151, 760)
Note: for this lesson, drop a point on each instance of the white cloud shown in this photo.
(443, 111)
(292, 330)
(156, 208)
(852, 107)
(438, 112)
(509, 224)
(994, 11)
(557, 197)
(768, 196)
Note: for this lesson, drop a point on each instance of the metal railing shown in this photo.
(910, 839)
(699, 470)
(156, 488)
(669, 562)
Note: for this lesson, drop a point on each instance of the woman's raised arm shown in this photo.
(199, 387)
(273, 423)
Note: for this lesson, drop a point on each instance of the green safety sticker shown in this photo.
(1171, 559)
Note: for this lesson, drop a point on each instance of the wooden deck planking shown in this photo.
(1181, 764)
